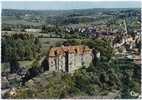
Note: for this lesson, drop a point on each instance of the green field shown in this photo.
(47, 42)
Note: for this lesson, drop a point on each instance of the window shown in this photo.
(55, 52)
(75, 50)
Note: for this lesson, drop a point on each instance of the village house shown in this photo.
(33, 30)
(69, 58)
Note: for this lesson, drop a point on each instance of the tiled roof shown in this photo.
(70, 49)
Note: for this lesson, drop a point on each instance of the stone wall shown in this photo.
(75, 61)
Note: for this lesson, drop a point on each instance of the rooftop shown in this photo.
(70, 49)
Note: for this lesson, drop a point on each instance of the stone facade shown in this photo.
(69, 58)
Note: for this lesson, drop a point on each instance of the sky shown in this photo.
(54, 5)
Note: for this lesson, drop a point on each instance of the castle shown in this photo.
(69, 58)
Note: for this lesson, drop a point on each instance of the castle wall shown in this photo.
(61, 63)
(57, 63)
(75, 61)
(51, 61)
(87, 59)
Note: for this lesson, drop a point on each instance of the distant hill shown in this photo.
(75, 16)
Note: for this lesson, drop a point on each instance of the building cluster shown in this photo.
(92, 30)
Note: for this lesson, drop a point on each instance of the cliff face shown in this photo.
(69, 58)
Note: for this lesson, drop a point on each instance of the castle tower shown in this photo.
(125, 28)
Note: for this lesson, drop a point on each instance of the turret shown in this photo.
(125, 28)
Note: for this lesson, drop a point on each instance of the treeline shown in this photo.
(21, 27)
(19, 47)
(15, 12)
(74, 20)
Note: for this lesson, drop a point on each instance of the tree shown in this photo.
(44, 29)
(22, 46)
(101, 45)
(14, 65)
